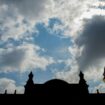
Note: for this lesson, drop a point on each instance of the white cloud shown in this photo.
(10, 86)
(23, 58)
(68, 73)
(94, 73)
(69, 76)
(19, 17)
(14, 27)
(30, 9)
(14, 12)
(71, 13)
(34, 11)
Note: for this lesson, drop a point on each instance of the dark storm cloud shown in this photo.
(93, 40)
(101, 0)
(12, 58)
(101, 7)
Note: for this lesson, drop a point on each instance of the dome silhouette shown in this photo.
(56, 82)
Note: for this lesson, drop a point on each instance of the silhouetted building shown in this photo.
(53, 91)
(56, 87)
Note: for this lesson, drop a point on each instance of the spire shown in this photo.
(82, 80)
(97, 91)
(15, 92)
(83, 84)
(104, 75)
(5, 92)
(81, 75)
(31, 75)
(30, 80)
(30, 84)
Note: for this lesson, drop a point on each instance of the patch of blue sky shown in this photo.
(54, 46)
(56, 27)
(41, 76)
(20, 78)
(93, 84)
(53, 21)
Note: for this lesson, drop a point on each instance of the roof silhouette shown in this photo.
(56, 87)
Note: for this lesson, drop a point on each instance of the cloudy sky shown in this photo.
(54, 39)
